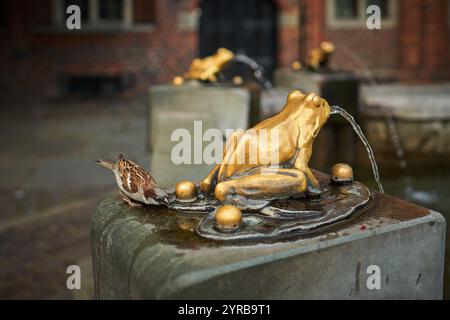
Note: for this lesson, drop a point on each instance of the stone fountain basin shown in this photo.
(421, 115)
(428, 102)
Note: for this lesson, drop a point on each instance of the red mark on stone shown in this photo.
(362, 227)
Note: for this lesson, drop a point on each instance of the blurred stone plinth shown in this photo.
(336, 140)
(153, 253)
(418, 117)
(177, 107)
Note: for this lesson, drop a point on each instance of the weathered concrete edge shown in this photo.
(375, 110)
(189, 88)
(183, 281)
(107, 214)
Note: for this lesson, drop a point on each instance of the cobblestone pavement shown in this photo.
(50, 186)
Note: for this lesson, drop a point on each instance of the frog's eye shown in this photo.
(317, 101)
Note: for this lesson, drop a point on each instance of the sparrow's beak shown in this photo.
(106, 163)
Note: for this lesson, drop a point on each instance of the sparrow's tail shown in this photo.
(106, 163)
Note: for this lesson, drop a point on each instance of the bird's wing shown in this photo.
(149, 192)
(133, 176)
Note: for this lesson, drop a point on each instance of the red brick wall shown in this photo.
(312, 29)
(288, 35)
(31, 61)
(416, 49)
(34, 61)
(425, 40)
(374, 51)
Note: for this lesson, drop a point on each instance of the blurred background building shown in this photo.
(125, 45)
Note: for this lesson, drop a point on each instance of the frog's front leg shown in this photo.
(206, 184)
(301, 163)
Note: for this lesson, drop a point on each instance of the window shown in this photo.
(3, 18)
(110, 9)
(108, 15)
(352, 13)
(346, 9)
(88, 86)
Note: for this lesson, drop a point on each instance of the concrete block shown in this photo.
(175, 107)
(153, 253)
(419, 114)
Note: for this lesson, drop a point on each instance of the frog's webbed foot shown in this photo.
(205, 186)
(312, 192)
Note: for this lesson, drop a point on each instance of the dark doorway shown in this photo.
(243, 26)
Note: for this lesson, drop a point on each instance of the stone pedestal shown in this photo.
(175, 107)
(153, 253)
(418, 117)
(336, 141)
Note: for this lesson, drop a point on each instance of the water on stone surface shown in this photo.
(362, 137)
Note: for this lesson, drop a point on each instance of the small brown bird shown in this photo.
(135, 183)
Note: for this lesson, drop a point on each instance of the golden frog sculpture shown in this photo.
(296, 126)
(319, 57)
(206, 69)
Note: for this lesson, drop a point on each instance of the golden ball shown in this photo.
(228, 218)
(185, 191)
(238, 80)
(178, 81)
(342, 173)
(296, 65)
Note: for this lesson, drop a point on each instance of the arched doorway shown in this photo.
(243, 26)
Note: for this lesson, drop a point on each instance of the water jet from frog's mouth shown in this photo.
(357, 129)
(258, 70)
